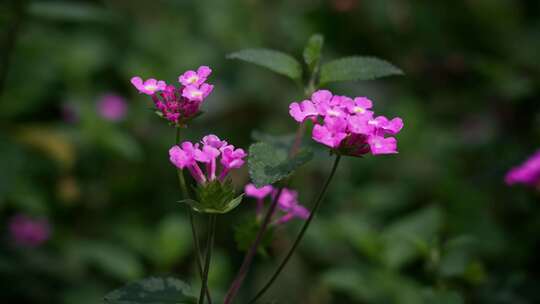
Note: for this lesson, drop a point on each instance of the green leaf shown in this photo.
(284, 142)
(442, 297)
(67, 11)
(268, 164)
(407, 238)
(246, 232)
(312, 51)
(357, 68)
(153, 290)
(276, 61)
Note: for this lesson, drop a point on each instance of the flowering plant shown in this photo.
(346, 126)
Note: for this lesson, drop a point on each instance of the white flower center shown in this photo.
(192, 79)
(359, 110)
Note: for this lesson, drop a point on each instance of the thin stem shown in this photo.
(248, 259)
(302, 232)
(209, 248)
(194, 234)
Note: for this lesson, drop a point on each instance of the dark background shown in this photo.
(435, 221)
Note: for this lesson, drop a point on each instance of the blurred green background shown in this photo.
(433, 224)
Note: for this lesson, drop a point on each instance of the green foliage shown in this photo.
(268, 164)
(312, 51)
(442, 297)
(214, 197)
(409, 237)
(153, 290)
(276, 61)
(356, 68)
(246, 232)
(172, 241)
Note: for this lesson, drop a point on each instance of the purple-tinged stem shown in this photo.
(248, 259)
(302, 232)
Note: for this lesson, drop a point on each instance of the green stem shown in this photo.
(209, 248)
(194, 234)
(302, 232)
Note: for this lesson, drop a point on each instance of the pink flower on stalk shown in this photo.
(527, 173)
(347, 125)
(258, 193)
(287, 202)
(189, 155)
(178, 105)
(28, 232)
(148, 87)
(112, 107)
(195, 78)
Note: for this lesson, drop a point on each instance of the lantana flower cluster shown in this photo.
(216, 156)
(287, 202)
(348, 126)
(527, 173)
(177, 104)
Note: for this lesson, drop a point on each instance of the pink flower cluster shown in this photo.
(347, 125)
(27, 231)
(208, 152)
(527, 173)
(177, 105)
(287, 202)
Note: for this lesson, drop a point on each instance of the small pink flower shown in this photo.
(195, 93)
(287, 203)
(381, 145)
(258, 193)
(190, 77)
(208, 152)
(112, 107)
(527, 173)
(28, 232)
(148, 87)
(360, 105)
(303, 110)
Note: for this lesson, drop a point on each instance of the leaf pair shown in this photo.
(344, 69)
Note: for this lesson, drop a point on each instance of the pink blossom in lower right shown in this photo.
(287, 202)
(348, 126)
(527, 173)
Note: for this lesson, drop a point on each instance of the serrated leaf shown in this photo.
(153, 290)
(357, 68)
(312, 51)
(284, 142)
(268, 164)
(276, 61)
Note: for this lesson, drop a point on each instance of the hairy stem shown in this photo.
(195, 236)
(209, 248)
(248, 259)
(302, 232)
